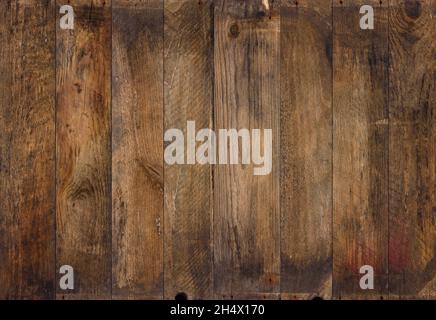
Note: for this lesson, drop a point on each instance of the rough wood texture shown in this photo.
(353, 179)
(137, 149)
(27, 149)
(246, 207)
(188, 188)
(360, 152)
(306, 148)
(83, 91)
(412, 155)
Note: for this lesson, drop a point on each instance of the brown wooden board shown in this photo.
(137, 149)
(83, 93)
(306, 149)
(188, 84)
(247, 91)
(360, 149)
(27, 149)
(412, 156)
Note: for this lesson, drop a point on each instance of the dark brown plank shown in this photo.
(412, 153)
(83, 94)
(246, 207)
(360, 152)
(27, 149)
(137, 174)
(306, 148)
(188, 188)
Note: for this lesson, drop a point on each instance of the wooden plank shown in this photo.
(188, 188)
(246, 207)
(412, 151)
(137, 148)
(306, 149)
(360, 152)
(27, 150)
(83, 93)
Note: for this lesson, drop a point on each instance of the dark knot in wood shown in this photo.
(234, 30)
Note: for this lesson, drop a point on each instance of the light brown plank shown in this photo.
(360, 152)
(246, 207)
(137, 149)
(27, 149)
(306, 149)
(83, 93)
(412, 153)
(188, 188)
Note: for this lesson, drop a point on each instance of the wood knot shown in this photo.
(234, 30)
(413, 9)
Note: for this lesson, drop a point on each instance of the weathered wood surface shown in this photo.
(412, 149)
(137, 149)
(246, 226)
(188, 188)
(306, 149)
(360, 149)
(83, 146)
(83, 181)
(27, 149)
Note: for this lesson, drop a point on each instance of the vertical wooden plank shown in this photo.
(27, 149)
(306, 148)
(83, 149)
(412, 155)
(246, 207)
(137, 175)
(360, 149)
(188, 190)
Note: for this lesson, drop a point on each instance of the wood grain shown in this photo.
(306, 149)
(27, 149)
(83, 91)
(188, 188)
(360, 152)
(246, 207)
(83, 180)
(412, 154)
(137, 149)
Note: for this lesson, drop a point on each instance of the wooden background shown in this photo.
(82, 177)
